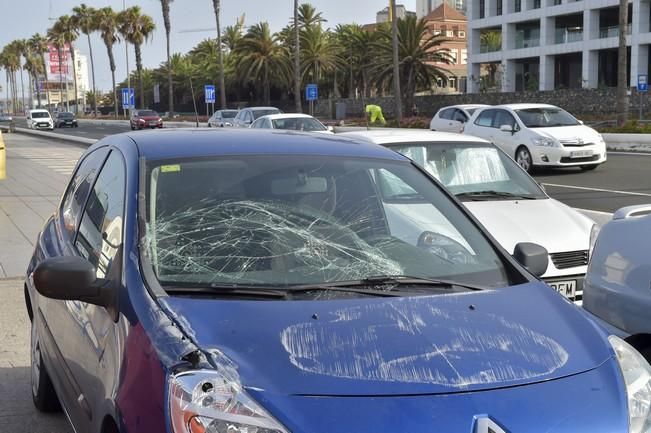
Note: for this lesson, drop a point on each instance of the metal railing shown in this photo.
(527, 43)
(613, 31)
(564, 36)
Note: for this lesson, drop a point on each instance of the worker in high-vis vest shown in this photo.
(3, 158)
(374, 113)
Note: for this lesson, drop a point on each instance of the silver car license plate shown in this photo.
(565, 288)
(581, 154)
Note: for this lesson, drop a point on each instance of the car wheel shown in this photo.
(133, 128)
(523, 158)
(43, 393)
(589, 167)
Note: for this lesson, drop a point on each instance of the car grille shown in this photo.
(43, 125)
(571, 259)
(568, 160)
(574, 142)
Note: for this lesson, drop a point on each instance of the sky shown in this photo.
(21, 19)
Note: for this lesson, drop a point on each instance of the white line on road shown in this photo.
(613, 191)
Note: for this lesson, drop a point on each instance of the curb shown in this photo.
(70, 138)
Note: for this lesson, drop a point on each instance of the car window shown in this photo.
(147, 113)
(100, 232)
(546, 117)
(465, 168)
(503, 117)
(447, 114)
(282, 220)
(77, 191)
(485, 118)
(228, 114)
(459, 116)
(257, 124)
(40, 115)
(259, 113)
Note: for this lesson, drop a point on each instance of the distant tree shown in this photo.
(107, 24)
(136, 28)
(67, 26)
(165, 4)
(222, 79)
(85, 18)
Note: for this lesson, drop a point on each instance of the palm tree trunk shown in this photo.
(15, 86)
(396, 63)
(47, 83)
(7, 90)
(170, 85)
(622, 79)
(22, 89)
(109, 50)
(92, 69)
(31, 89)
(297, 61)
(222, 80)
(37, 83)
(139, 68)
(74, 77)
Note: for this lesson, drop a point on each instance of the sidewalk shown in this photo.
(37, 174)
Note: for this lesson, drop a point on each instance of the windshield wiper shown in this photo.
(381, 285)
(235, 290)
(490, 194)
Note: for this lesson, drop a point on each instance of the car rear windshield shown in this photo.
(299, 124)
(259, 113)
(230, 114)
(546, 117)
(280, 221)
(147, 114)
(470, 168)
(40, 115)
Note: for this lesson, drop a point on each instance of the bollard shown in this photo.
(3, 159)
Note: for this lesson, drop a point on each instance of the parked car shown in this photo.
(65, 118)
(246, 116)
(539, 135)
(39, 119)
(618, 282)
(145, 119)
(222, 118)
(192, 281)
(502, 196)
(291, 122)
(7, 123)
(454, 118)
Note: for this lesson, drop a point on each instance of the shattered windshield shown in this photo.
(466, 168)
(281, 221)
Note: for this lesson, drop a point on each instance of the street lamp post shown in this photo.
(126, 51)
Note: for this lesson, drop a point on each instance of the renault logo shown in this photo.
(485, 424)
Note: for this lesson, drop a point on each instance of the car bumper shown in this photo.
(43, 126)
(569, 156)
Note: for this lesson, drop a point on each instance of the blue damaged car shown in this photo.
(269, 282)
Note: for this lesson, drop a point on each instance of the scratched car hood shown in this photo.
(397, 346)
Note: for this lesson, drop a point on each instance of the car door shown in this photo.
(98, 332)
(508, 141)
(459, 120)
(59, 338)
(443, 121)
(482, 127)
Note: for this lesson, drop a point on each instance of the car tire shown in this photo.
(524, 159)
(133, 128)
(589, 167)
(43, 393)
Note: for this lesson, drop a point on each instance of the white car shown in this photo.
(291, 122)
(454, 118)
(504, 198)
(222, 118)
(40, 119)
(538, 135)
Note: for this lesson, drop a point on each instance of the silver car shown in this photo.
(222, 118)
(617, 287)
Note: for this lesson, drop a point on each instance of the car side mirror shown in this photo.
(580, 122)
(331, 129)
(507, 128)
(533, 257)
(72, 278)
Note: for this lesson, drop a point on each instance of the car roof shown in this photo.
(260, 108)
(39, 110)
(465, 106)
(286, 116)
(195, 143)
(525, 106)
(391, 136)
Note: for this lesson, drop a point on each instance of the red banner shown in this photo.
(59, 66)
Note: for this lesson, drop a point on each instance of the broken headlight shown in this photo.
(204, 401)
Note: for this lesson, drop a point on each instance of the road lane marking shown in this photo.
(612, 191)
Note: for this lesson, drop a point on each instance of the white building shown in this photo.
(552, 44)
(401, 13)
(425, 7)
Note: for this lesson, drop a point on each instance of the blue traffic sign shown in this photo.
(128, 98)
(311, 92)
(642, 83)
(209, 90)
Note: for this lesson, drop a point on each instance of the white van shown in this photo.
(39, 119)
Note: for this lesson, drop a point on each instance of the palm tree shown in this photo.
(56, 38)
(20, 49)
(261, 56)
(107, 24)
(67, 27)
(222, 87)
(33, 66)
(308, 16)
(84, 17)
(168, 28)
(232, 35)
(136, 28)
(320, 54)
(396, 60)
(39, 46)
(622, 79)
(418, 55)
(297, 61)
(491, 41)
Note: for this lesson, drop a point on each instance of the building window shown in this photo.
(536, 4)
(518, 6)
(499, 8)
(482, 7)
(462, 34)
(464, 56)
(557, 2)
(436, 32)
(454, 56)
(449, 34)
